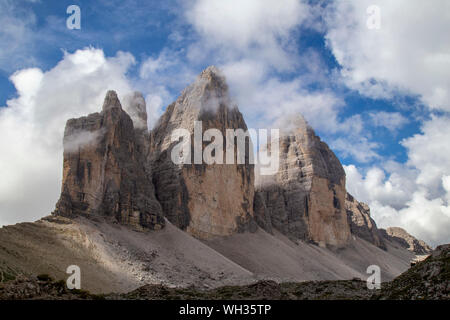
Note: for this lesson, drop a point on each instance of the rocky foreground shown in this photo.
(429, 279)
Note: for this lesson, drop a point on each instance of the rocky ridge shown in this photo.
(405, 240)
(361, 224)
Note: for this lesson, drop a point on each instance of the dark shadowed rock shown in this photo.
(361, 224)
(405, 240)
(104, 170)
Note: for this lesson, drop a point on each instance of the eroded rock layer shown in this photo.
(305, 200)
(104, 169)
(206, 200)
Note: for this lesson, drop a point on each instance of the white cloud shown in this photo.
(264, 99)
(161, 75)
(15, 35)
(414, 195)
(429, 152)
(359, 149)
(394, 190)
(248, 41)
(32, 126)
(237, 28)
(244, 23)
(81, 138)
(446, 185)
(426, 218)
(253, 42)
(392, 121)
(409, 53)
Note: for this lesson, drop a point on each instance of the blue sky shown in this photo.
(143, 28)
(372, 95)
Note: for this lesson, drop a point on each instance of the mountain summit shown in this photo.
(104, 172)
(305, 199)
(206, 200)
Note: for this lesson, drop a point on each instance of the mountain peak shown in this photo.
(105, 174)
(111, 101)
(136, 108)
(197, 197)
(406, 240)
(211, 82)
(311, 181)
(211, 72)
(292, 124)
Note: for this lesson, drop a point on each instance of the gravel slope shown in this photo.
(114, 258)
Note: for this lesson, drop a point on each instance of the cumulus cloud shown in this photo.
(429, 152)
(32, 126)
(392, 121)
(264, 99)
(426, 218)
(251, 45)
(161, 75)
(414, 195)
(255, 44)
(246, 23)
(237, 28)
(360, 149)
(409, 53)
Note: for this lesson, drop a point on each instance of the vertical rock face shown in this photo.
(405, 240)
(206, 200)
(361, 224)
(104, 170)
(306, 198)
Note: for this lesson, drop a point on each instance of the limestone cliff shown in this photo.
(361, 224)
(206, 200)
(306, 198)
(405, 240)
(104, 173)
